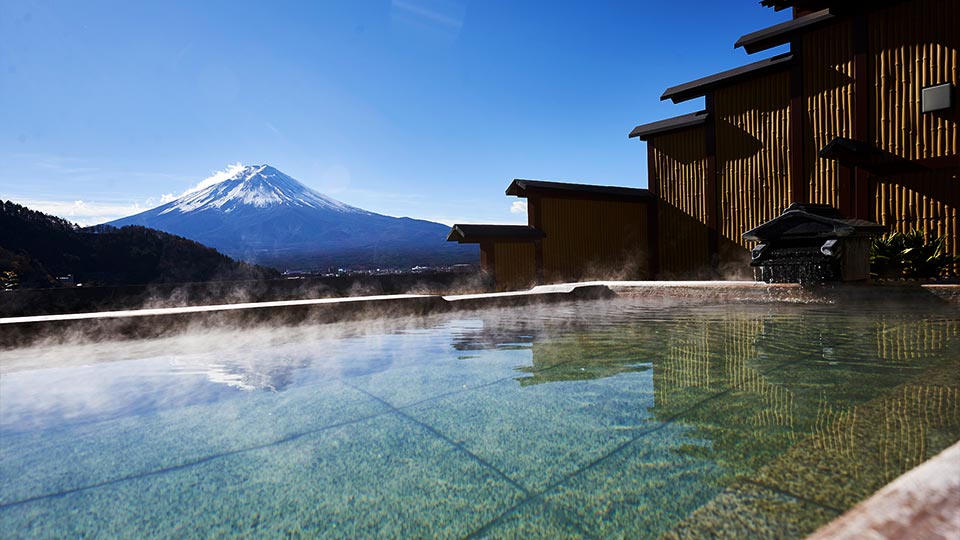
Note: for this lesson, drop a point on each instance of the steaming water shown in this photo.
(614, 419)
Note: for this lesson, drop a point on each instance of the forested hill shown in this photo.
(36, 248)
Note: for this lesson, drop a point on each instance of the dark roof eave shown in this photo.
(520, 186)
(779, 34)
(661, 127)
(700, 87)
(476, 233)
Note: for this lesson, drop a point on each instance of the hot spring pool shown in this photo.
(604, 419)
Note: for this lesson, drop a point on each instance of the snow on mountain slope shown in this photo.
(259, 186)
(260, 214)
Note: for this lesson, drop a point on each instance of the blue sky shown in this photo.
(421, 108)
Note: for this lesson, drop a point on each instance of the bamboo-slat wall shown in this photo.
(593, 239)
(899, 341)
(515, 266)
(828, 89)
(910, 413)
(739, 338)
(685, 364)
(914, 45)
(753, 157)
(678, 173)
(927, 201)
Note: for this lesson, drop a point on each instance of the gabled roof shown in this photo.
(520, 188)
(806, 220)
(779, 34)
(474, 234)
(699, 87)
(646, 131)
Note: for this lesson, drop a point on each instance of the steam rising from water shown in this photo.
(391, 426)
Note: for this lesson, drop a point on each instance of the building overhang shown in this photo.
(524, 188)
(700, 87)
(476, 233)
(647, 131)
(784, 32)
(854, 153)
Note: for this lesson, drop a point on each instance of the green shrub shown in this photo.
(907, 255)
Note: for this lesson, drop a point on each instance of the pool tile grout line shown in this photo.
(390, 409)
(189, 464)
(289, 438)
(538, 495)
(530, 497)
(459, 446)
(791, 495)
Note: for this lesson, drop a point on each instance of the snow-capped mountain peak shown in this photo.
(257, 186)
(261, 215)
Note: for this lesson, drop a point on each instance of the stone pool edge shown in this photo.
(922, 485)
(924, 502)
(155, 322)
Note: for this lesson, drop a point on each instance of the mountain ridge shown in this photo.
(261, 215)
(38, 248)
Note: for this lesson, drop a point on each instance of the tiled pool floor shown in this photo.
(653, 422)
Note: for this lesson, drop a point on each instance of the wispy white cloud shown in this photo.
(448, 14)
(215, 178)
(84, 213)
(91, 208)
(518, 207)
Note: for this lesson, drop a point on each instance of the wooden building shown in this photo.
(592, 232)
(574, 232)
(507, 252)
(861, 114)
(849, 117)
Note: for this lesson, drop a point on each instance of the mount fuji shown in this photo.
(259, 214)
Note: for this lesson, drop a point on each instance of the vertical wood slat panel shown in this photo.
(679, 170)
(828, 86)
(515, 268)
(928, 201)
(753, 155)
(913, 45)
(593, 239)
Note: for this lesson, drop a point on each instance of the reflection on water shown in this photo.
(602, 419)
(872, 397)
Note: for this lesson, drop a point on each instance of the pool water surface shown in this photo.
(607, 419)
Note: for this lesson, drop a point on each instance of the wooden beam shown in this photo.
(845, 189)
(711, 202)
(798, 111)
(940, 162)
(653, 216)
(860, 197)
(487, 257)
(535, 219)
